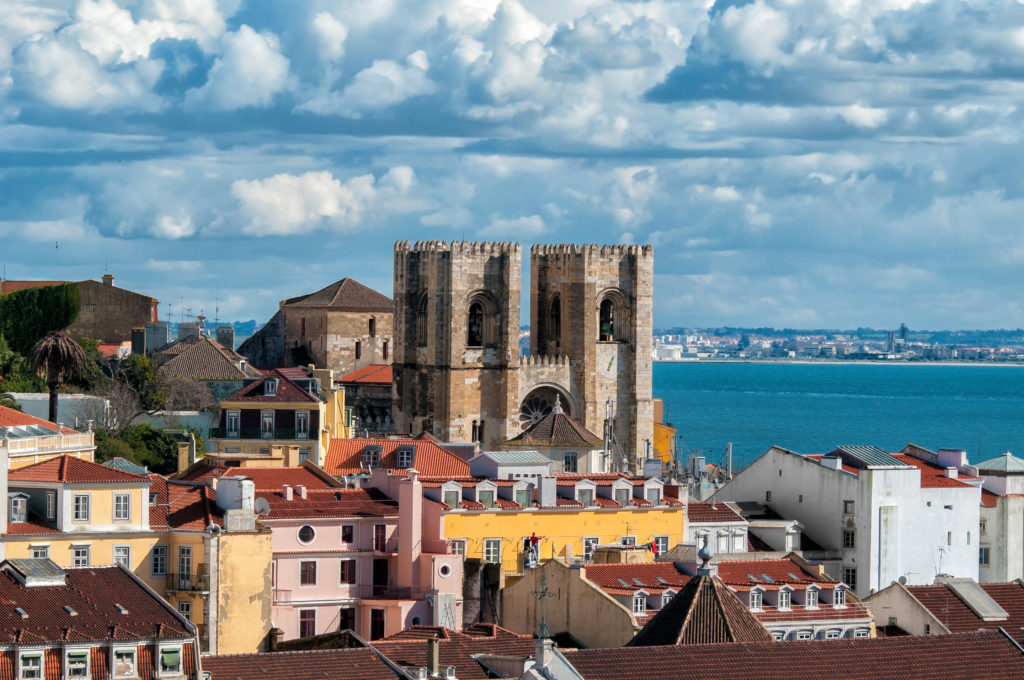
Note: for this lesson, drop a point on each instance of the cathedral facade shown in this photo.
(458, 372)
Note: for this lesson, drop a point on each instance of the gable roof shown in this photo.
(201, 358)
(455, 649)
(704, 611)
(265, 478)
(967, 656)
(329, 503)
(377, 374)
(183, 505)
(10, 417)
(556, 429)
(718, 511)
(933, 476)
(68, 469)
(346, 295)
(287, 390)
(1007, 462)
(653, 577)
(944, 603)
(345, 457)
(8, 286)
(356, 662)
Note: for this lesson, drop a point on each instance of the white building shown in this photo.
(1001, 540)
(722, 524)
(889, 515)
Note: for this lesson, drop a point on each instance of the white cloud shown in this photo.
(379, 86)
(174, 227)
(519, 228)
(250, 72)
(864, 116)
(331, 34)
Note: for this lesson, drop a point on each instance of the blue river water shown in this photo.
(812, 408)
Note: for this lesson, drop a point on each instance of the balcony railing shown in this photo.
(257, 433)
(188, 582)
(392, 592)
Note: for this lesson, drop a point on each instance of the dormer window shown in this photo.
(404, 456)
(785, 597)
(653, 495)
(811, 598)
(371, 457)
(640, 603)
(755, 600)
(666, 597)
(485, 498)
(622, 497)
(270, 387)
(78, 664)
(452, 498)
(31, 666)
(585, 496)
(19, 507)
(523, 497)
(839, 597)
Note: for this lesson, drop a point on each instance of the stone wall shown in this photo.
(109, 313)
(266, 346)
(328, 338)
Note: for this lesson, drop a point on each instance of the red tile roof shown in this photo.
(556, 429)
(359, 662)
(941, 601)
(607, 576)
(287, 391)
(11, 286)
(345, 457)
(781, 572)
(266, 478)
(183, 505)
(346, 295)
(373, 373)
(456, 649)
(326, 503)
(201, 359)
(68, 469)
(93, 593)
(966, 656)
(10, 417)
(34, 525)
(711, 512)
(932, 476)
(989, 498)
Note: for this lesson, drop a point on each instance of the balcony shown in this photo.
(371, 592)
(193, 583)
(286, 433)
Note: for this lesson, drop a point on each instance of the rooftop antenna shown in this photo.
(543, 594)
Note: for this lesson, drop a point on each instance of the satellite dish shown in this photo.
(262, 506)
(903, 580)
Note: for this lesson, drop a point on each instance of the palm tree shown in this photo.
(60, 358)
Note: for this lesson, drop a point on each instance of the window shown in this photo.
(666, 597)
(847, 507)
(371, 456)
(303, 455)
(379, 537)
(270, 387)
(569, 462)
(19, 508)
(122, 507)
(850, 577)
(359, 349)
(307, 622)
(523, 498)
(486, 498)
(629, 541)
(983, 556)
(80, 556)
(784, 599)
(373, 327)
(306, 534)
(376, 624)
(653, 495)
(267, 424)
(555, 320)
(968, 538)
(185, 609)
(723, 543)
(606, 324)
(861, 633)
(739, 542)
(348, 533)
(233, 422)
(307, 573)
(40, 552)
(949, 538)
(588, 547)
(384, 350)
(51, 506)
(983, 526)
(348, 571)
(475, 326)
(639, 603)
(585, 496)
(153, 498)
(779, 635)
(661, 544)
(124, 663)
(122, 556)
(158, 561)
(421, 322)
(78, 664)
(849, 538)
(170, 661)
(622, 497)
(31, 666)
(459, 547)
(803, 635)
(811, 598)
(492, 550)
(184, 564)
(302, 424)
(81, 504)
(832, 635)
(839, 597)
(927, 629)
(347, 618)
(767, 496)
(451, 499)
(404, 457)
(755, 600)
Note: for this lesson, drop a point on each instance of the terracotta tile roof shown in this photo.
(711, 512)
(93, 593)
(345, 457)
(346, 295)
(819, 456)
(183, 505)
(323, 503)
(943, 602)
(966, 656)
(68, 469)
(704, 611)
(266, 478)
(287, 391)
(34, 525)
(477, 630)
(557, 429)
(852, 610)
(10, 417)
(456, 649)
(780, 571)
(607, 576)
(11, 286)
(988, 498)
(373, 373)
(932, 476)
(358, 662)
(201, 359)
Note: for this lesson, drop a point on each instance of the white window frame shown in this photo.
(628, 541)
(639, 603)
(661, 543)
(811, 598)
(127, 550)
(490, 545)
(88, 555)
(489, 494)
(22, 514)
(160, 660)
(459, 547)
(833, 634)
(67, 663)
(622, 497)
(154, 559)
(985, 552)
(51, 505)
(134, 652)
(265, 418)
(739, 541)
(570, 462)
(756, 598)
(839, 597)
(653, 495)
(861, 633)
(302, 424)
(39, 670)
(122, 507)
(722, 542)
(184, 608)
(785, 599)
(849, 507)
(39, 551)
(233, 423)
(403, 457)
(588, 490)
(803, 635)
(80, 507)
(590, 542)
(445, 498)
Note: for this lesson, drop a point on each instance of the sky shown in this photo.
(794, 163)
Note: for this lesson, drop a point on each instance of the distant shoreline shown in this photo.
(840, 362)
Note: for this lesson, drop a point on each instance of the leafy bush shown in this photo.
(27, 315)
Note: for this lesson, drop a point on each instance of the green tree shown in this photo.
(139, 373)
(92, 378)
(60, 358)
(109, 447)
(29, 314)
(152, 447)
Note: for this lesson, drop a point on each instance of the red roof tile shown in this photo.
(266, 478)
(941, 601)
(346, 295)
(10, 417)
(967, 656)
(34, 525)
(287, 391)
(556, 429)
(932, 476)
(183, 505)
(372, 373)
(11, 286)
(68, 469)
(711, 512)
(359, 662)
(781, 572)
(345, 457)
(456, 649)
(988, 498)
(325, 503)
(607, 576)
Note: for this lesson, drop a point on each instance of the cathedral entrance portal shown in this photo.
(538, 404)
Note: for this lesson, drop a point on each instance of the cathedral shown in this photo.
(458, 372)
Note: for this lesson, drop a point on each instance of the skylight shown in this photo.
(637, 581)
(792, 576)
(661, 580)
(753, 578)
(623, 582)
(767, 578)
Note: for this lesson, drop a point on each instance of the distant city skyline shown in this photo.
(794, 163)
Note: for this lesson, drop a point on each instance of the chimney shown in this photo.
(832, 462)
(951, 472)
(544, 649)
(547, 491)
(108, 280)
(433, 656)
(300, 490)
(410, 529)
(183, 456)
(226, 336)
(286, 491)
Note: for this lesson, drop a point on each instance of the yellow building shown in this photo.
(284, 418)
(664, 435)
(25, 439)
(204, 554)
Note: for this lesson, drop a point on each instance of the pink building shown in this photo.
(344, 558)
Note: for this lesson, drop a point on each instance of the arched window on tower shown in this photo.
(373, 327)
(555, 320)
(359, 350)
(606, 325)
(421, 322)
(475, 326)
